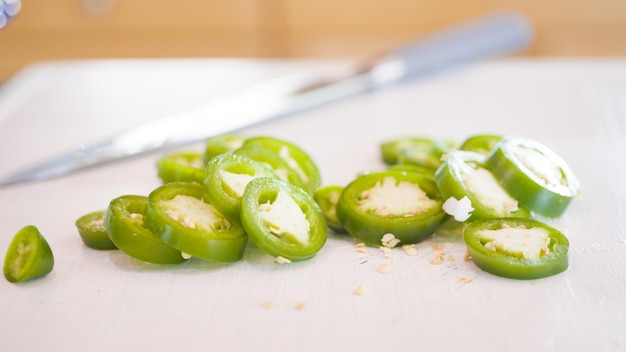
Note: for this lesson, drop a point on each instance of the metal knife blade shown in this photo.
(498, 34)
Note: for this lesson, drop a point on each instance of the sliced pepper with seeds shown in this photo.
(406, 204)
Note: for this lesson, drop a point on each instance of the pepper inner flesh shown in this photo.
(285, 219)
(517, 242)
(195, 214)
(396, 199)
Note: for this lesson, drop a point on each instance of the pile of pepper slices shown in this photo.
(491, 187)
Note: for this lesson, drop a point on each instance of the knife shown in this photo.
(496, 34)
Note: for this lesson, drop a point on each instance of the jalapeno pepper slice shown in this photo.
(464, 176)
(535, 175)
(425, 152)
(221, 144)
(226, 178)
(29, 256)
(273, 161)
(481, 143)
(181, 167)
(296, 158)
(178, 214)
(282, 219)
(91, 230)
(516, 248)
(125, 224)
(327, 198)
(405, 204)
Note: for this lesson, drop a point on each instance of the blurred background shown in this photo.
(82, 29)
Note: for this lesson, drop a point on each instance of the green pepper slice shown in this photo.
(516, 248)
(226, 178)
(296, 158)
(481, 143)
(91, 230)
(535, 175)
(28, 257)
(181, 167)
(221, 144)
(327, 198)
(405, 204)
(282, 219)
(425, 152)
(464, 175)
(272, 160)
(426, 171)
(178, 214)
(125, 224)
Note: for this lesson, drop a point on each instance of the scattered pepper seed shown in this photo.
(467, 257)
(466, 279)
(389, 240)
(384, 268)
(281, 260)
(436, 260)
(387, 252)
(359, 291)
(410, 249)
(300, 306)
(360, 247)
(450, 258)
(268, 305)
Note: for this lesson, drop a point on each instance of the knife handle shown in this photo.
(497, 34)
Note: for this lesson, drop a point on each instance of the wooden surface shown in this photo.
(70, 29)
(106, 301)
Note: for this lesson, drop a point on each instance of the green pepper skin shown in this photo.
(125, 225)
(225, 241)
(327, 198)
(369, 227)
(297, 159)
(181, 167)
(524, 184)
(420, 151)
(451, 183)
(274, 161)
(221, 144)
(426, 171)
(501, 264)
(263, 190)
(28, 256)
(225, 199)
(481, 143)
(91, 230)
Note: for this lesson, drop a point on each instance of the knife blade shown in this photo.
(492, 35)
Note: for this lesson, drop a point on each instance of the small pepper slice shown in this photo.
(221, 144)
(226, 178)
(516, 248)
(405, 204)
(91, 230)
(125, 224)
(464, 175)
(535, 175)
(181, 167)
(425, 152)
(272, 160)
(327, 198)
(179, 215)
(29, 256)
(296, 158)
(481, 143)
(282, 219)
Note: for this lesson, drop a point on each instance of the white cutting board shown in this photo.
(105, 301)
